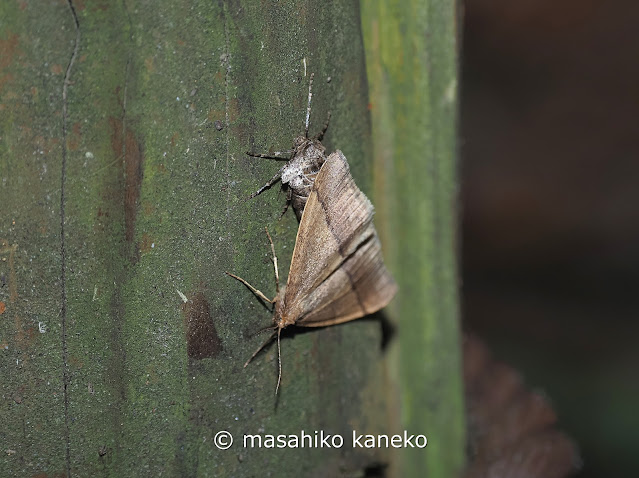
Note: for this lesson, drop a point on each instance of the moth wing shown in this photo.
(360, 286)
(337, 271)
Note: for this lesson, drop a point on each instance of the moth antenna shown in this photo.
(277, 274)
(255, 291)
(270, 339)
(319, 136)
(308, 108)
(279, 361)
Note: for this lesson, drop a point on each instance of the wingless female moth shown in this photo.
(337, 271)
(304, 161)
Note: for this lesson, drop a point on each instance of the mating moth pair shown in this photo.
(337, 271)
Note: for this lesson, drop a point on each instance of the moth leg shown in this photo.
(263, 329)
(255, 291)
(289, 197)
(272, 181)
(270, 339)
(277, 274)
(274, 156)
(319, 136)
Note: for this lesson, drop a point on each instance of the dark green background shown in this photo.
(128, 186)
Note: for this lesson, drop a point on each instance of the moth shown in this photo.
(304, 161)
(337, 271)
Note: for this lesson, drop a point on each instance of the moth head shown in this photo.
(299, 141)
(280, 315)
(301, 145)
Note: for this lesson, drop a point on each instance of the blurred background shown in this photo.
(550, 191)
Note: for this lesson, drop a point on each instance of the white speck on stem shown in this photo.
(184, 298)
(450, 94)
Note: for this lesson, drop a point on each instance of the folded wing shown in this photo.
(337, 271)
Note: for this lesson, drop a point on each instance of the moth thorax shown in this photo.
(292, 174)
(299, 183)
(315, 150)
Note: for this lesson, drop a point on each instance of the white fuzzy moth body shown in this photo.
(304, 161)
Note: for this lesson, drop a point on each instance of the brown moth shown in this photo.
(337, 270)
(304, 161)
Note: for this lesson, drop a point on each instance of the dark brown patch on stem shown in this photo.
(126, 145)
(202, 340)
